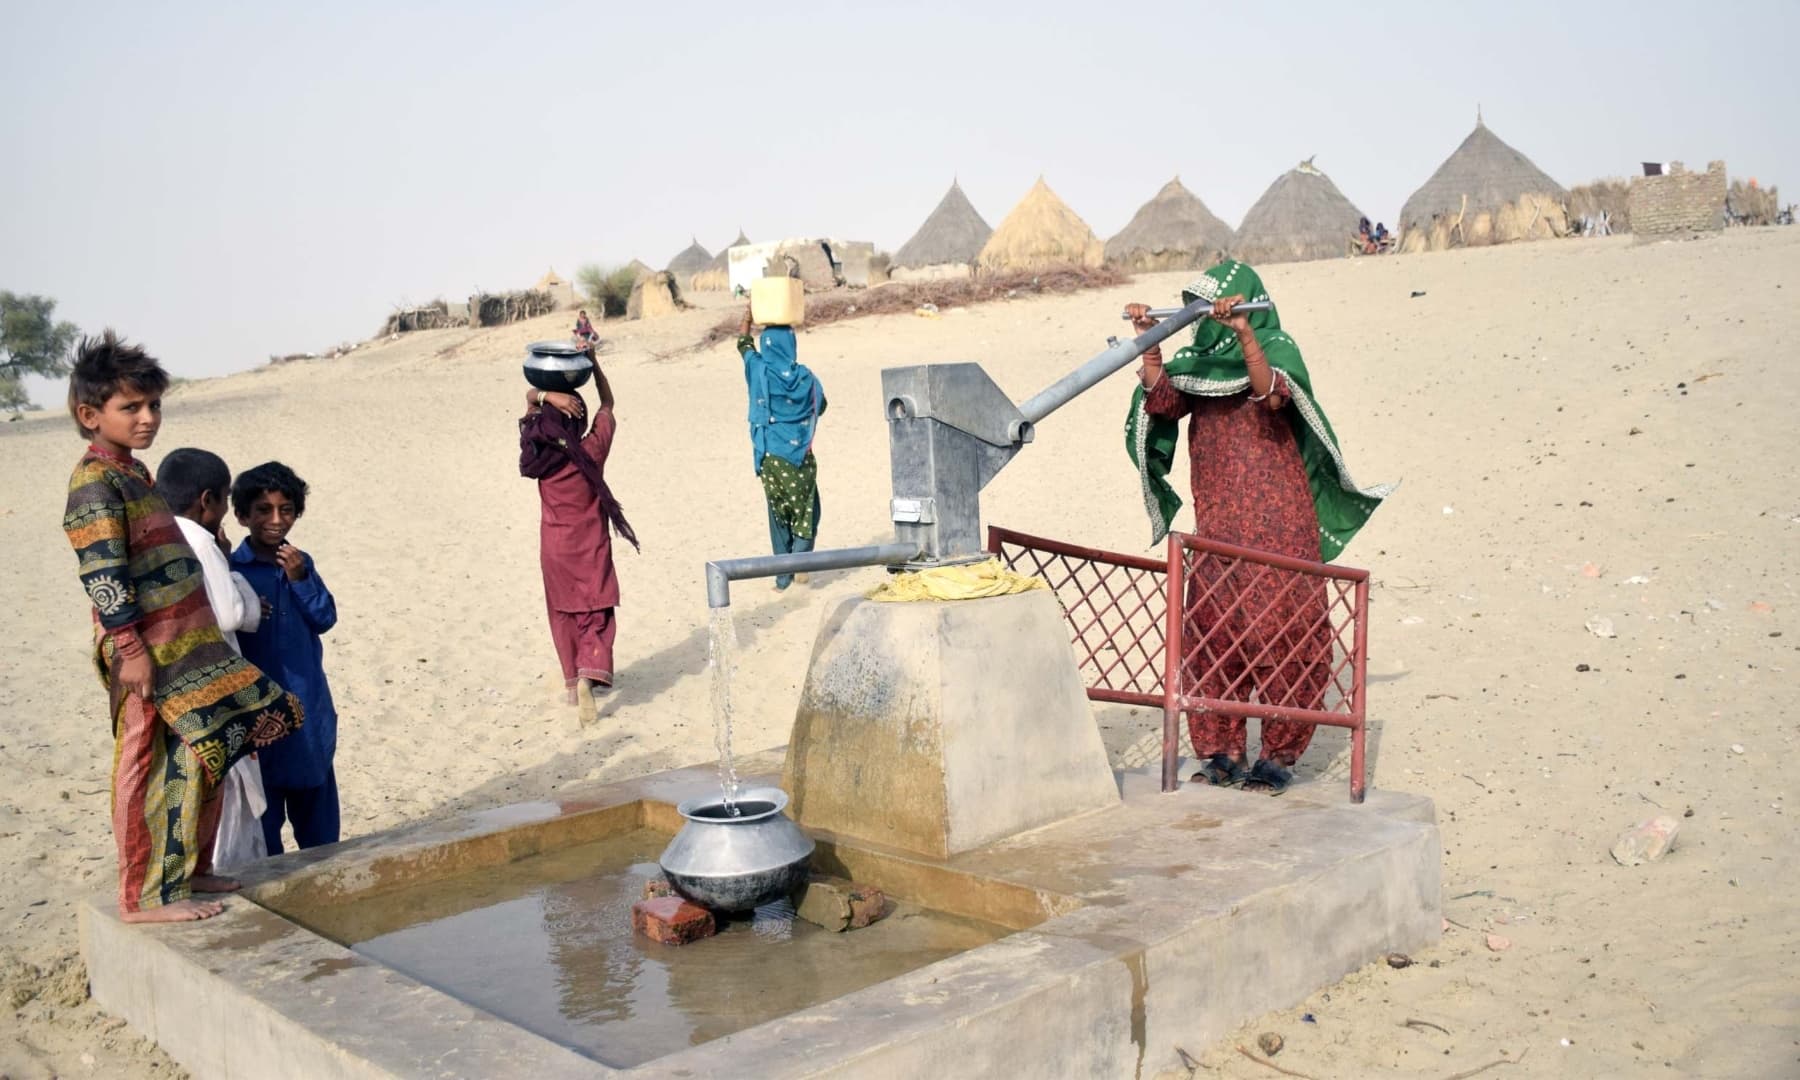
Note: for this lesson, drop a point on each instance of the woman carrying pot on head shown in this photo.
(1267, 474)
(567, 455)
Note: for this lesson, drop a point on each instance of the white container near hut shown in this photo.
(778, 301)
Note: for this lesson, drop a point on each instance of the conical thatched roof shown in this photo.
(1173, 231)
(1491, 173)
(1485, 192)
(715, 276)
(1041, 232)
(692, 260)
(722, 261)
(638, 269)
(952, 235)
(1302, 216)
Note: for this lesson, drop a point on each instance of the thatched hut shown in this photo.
(498, 309)
(559, 289)
(1173, 231)
(1302, 216)
(1484, 193)
(654, 295)
(716, 275)
(433, 316)
(1041, 232)
(639, 271)
(946, 245)
(690, 261)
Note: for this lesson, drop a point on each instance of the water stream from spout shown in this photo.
(721, 655)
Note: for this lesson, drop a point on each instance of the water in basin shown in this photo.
(546, 943)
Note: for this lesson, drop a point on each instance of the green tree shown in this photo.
(606, 287)
(32, 342)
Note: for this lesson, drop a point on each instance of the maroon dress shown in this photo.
(575, 547)
(1264, 634)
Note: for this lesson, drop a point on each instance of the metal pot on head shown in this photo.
(736, 863)
(557, 366)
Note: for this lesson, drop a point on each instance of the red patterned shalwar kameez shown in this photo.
(1250, 489)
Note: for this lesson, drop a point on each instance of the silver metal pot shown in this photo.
(737, 863)
(557, 365)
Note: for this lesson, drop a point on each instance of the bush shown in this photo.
(606, 288)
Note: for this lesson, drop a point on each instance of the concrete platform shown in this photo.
(1167, 920)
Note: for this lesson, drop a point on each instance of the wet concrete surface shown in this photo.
(546, 943)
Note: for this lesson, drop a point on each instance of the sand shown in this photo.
(1582, 428)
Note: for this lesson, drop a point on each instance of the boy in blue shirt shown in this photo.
(298, 777)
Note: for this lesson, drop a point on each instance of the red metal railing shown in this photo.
(1116, 606)
(1213, 627)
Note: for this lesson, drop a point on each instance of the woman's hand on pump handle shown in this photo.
(1151, 372)
(1221, 312)
(1239, 322)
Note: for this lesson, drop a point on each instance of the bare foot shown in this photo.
(584, 701)
(179, 911)
(213, 883)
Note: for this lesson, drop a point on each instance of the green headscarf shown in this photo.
(1213, 366)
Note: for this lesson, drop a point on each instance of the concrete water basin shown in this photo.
(499, 944)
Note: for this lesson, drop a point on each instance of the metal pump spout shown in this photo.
(950, 431)
(720, 573)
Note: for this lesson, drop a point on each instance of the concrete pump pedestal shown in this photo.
(939, 727)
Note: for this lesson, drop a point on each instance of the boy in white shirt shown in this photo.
(197, 486)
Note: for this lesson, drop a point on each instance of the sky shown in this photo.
(233, 181)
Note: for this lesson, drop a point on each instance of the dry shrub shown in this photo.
(1611, 195)
(897, 297)
(607, 287)
(1751, 205)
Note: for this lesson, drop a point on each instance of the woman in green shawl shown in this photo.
(1267, 474)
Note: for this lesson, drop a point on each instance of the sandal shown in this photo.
(1269, 778)
(1220, 770)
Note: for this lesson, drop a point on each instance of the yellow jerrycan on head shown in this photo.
(778, 301)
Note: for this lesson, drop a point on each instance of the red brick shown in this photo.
(672, 920)
(867, 904)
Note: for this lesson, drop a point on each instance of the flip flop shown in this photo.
(1268, 778)
(1220, 770)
